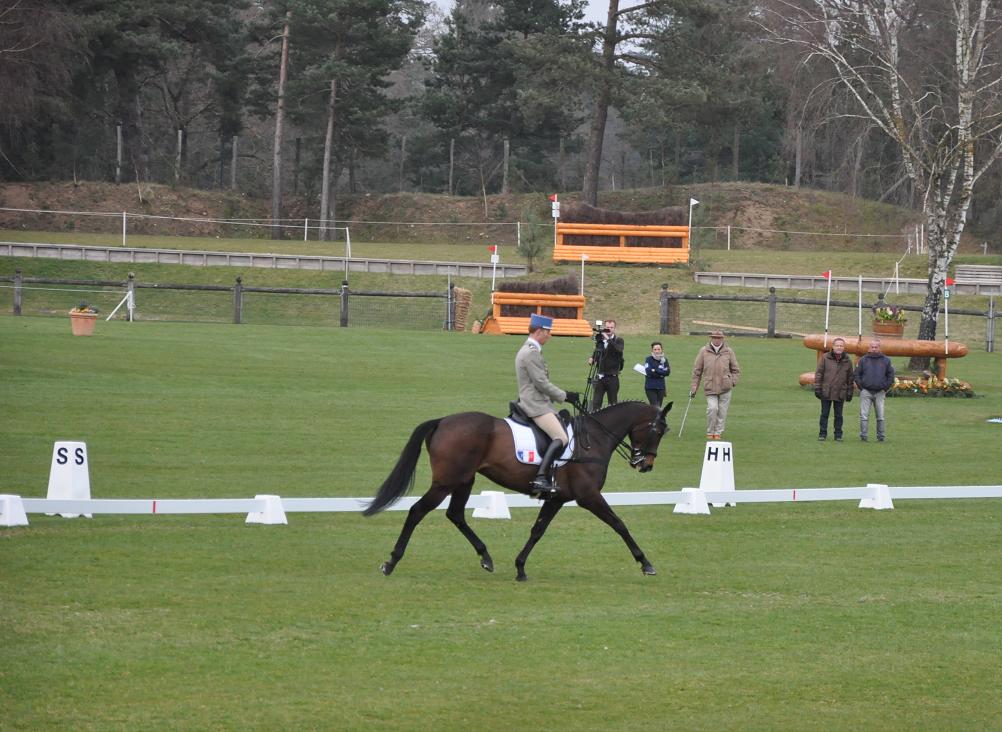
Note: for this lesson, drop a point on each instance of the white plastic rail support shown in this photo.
(881, 497)
(272, 513)
(496, 508)
(12, 511)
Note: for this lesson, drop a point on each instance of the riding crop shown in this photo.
(682, 426)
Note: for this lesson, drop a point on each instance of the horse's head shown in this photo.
(645, 436)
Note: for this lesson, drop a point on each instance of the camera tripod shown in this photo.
(598, 356)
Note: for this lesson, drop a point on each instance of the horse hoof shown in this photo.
(487, 564)
(386, 568)
(521, 578)
(648, 570)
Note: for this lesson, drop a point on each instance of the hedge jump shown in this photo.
(511, 311)
(619, 243)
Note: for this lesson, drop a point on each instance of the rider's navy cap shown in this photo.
(541, 321)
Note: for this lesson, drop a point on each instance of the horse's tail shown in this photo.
(401, 479)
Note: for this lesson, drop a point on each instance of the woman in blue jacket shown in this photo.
(656, 368)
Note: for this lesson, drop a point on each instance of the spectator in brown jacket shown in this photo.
(717, 367)
(833, 386)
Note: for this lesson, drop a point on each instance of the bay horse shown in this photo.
(462, 445)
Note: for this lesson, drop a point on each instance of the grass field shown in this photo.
(812, 616)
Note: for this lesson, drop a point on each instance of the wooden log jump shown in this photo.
(857, 345)
(623, 243)
(501, 321)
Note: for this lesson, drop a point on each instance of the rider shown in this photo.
(536, 395)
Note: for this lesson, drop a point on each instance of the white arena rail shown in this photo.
(270, 509)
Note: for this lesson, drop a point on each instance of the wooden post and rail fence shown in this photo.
(238, 290)
(671, 311)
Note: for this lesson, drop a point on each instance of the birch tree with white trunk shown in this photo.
(927, 74)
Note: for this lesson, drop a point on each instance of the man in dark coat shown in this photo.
(833, 386)
(608, 361)
(874, 376)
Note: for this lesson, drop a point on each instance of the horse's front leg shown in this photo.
(457, 515)
(598, 506)
(550, 509)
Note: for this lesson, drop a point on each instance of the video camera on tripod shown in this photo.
(599, 327)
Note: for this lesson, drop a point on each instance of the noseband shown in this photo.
(655, 430)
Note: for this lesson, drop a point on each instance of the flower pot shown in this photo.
(888, 329)
(82, 323)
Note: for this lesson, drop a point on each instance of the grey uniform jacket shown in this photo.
(535, 392)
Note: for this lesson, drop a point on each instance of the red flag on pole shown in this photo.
(552, 197)
(827, 275)
(493, 249)
(950, 281)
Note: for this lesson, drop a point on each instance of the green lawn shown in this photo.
(774, 616)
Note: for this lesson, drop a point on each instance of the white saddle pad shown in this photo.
(525, 444)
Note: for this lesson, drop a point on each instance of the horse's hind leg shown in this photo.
(428, 502)
(457, 515)
(598, 506)
(546, 514)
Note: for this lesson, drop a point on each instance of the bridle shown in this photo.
(633, 455)
(655, 431)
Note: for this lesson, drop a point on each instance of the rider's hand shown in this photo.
(692, 394)
(572, 397)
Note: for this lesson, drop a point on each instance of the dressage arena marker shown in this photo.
(13, 508)
(69, 474)
(718, 470)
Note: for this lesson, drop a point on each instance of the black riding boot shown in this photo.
(543, 484)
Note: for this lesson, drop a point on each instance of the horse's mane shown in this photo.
(620, 404)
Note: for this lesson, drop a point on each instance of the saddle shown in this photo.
(515, 414)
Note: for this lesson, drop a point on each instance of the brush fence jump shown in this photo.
(621, 243)
(558, 307)
(271, 509)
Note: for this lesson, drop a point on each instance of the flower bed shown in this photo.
(930, 386)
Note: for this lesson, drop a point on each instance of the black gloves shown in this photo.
(573, 397)
(817, 393)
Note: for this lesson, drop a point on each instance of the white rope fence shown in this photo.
(308, 224)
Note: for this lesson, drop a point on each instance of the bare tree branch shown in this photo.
(927, 74)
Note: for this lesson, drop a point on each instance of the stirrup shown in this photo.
(540, 487)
